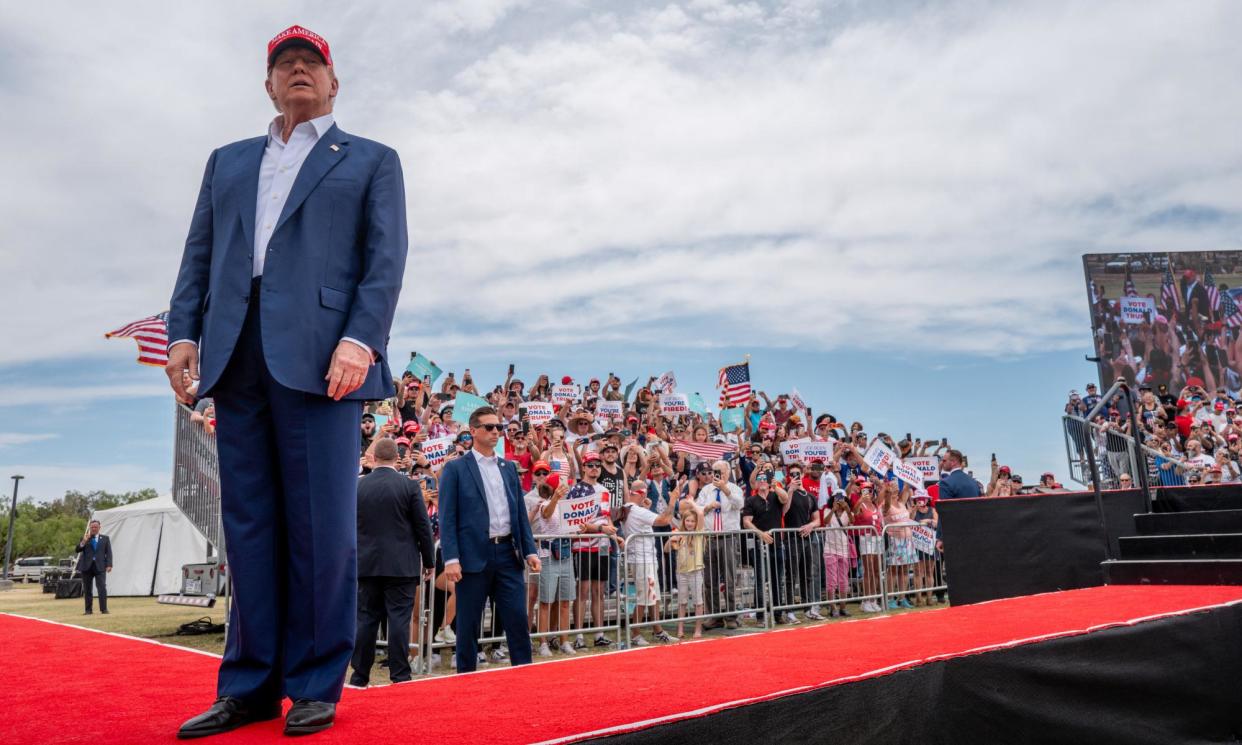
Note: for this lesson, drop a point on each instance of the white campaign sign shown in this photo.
(924, 539)
(928, 464)
(1137, 309)
(540, 412)
(909, 473)
(667, 382)
(879, 457)
(674, 404)
(564, 394)
(821, 451)
(791, 450)
(608, 410)
(438, 449)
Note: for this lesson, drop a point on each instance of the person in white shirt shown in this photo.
(556, 574)
(641, 557)
(721, 501)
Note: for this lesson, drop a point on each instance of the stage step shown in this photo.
(1184, 523)
(1188, 546)
(1173, 572)
(1187, 503)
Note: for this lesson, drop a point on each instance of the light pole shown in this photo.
(6, 583)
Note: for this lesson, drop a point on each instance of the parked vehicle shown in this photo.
(31, 568)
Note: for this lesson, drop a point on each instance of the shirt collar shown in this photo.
(319, 124)
(481, 458)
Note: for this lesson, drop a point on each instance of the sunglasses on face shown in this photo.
(540, 474)
(491, 427)
(591, 465)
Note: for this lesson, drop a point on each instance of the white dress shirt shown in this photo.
(494, 488)
(279, 168)
(497, 503)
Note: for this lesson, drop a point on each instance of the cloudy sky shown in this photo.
(884, 204)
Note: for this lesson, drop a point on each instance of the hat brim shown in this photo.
(294, 42)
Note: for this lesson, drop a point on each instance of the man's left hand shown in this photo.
(428, 574)
(532, 563)
(348, 370)
(109, 569)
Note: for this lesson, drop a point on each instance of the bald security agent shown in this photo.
(281, 311)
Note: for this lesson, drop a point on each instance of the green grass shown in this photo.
(142, 617)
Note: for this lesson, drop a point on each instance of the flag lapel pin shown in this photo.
(334, 148)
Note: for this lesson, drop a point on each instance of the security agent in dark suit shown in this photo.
(394, 547)
(94, 564)
(485, 536)
(956, 483)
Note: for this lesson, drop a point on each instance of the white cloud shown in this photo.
(76, 396)
(50, 481)
(8, 439)
(831, 176)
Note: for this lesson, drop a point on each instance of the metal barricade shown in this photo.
(913, 565)
(584, 607)
(196, 476)
(691, 577)
(821, 570)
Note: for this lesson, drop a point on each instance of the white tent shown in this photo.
(151, 539)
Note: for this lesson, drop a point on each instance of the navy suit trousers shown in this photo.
(288, 483)
(503, 582)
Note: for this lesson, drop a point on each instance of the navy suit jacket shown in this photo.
(464, 515)
(958, 485)
(95, 559)
(333, 267)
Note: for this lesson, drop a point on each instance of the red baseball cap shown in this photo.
(590, 457)
(566, 380)
(298, 36)
(553, 480)
(410, 426)
(541, 464)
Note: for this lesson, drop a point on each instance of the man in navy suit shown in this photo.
(956, 483)
(94, 565)
(281, 311)
(485, 537)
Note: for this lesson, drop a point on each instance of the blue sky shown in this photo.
(885, 204)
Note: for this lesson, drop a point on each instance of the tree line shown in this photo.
(54, 528)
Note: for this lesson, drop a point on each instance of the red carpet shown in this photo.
(69, 685)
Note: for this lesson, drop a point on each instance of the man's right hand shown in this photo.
(452, 572)
(182, 359)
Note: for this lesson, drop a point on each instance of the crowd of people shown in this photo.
(679, 523)
(1192, 437)
(709, 492)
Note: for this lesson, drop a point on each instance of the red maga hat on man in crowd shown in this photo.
(298, 36)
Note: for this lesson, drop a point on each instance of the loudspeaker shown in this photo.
(68, 588)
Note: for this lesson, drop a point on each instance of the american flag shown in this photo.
(1130, 289)
(151, 334)
(1229, 311)
(705, 450)
(1168, 290)
(1213, 293)
(734, 385)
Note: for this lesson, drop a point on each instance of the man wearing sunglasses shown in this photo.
(485, 536)
(721, 502)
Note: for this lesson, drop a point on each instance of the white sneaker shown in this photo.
(446, 636)
(640, 641)
(790, 618)
(814, 615)
(544, 651)
(498, 655)
(482, 658)
(568, 648)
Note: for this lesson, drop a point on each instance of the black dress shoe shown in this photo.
(358, 681)
(88, 613)
(104, 612)
(226, 714)
(307, 717)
